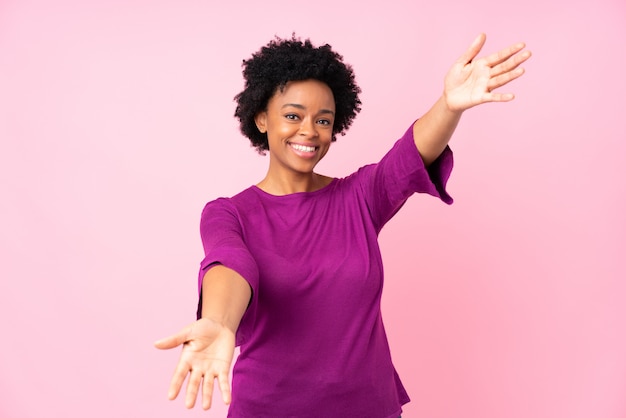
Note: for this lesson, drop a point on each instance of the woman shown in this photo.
(293, 273)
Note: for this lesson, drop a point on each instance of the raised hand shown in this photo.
(208, 349)
(472, 81)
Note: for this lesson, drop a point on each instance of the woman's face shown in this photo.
(299, 125)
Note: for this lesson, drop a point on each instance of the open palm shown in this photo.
(208, 349)
(471, 81)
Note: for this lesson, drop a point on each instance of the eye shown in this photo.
(291, 116)
(324, 122)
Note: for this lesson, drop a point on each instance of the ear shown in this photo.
(261, 121)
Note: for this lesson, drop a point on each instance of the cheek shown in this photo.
(283, 130)
(324, 148)
(278, 133)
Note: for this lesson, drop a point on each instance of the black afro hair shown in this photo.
(285, 60)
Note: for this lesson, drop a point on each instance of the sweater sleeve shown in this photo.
(400, 173)
(223, 243)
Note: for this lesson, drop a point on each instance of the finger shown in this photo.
(504, 54)
(182, 369)
(505, 78)
(207, 390)
(224, 383)
(193, 385)
(173, 340)
(473, 50)
(499, 97)
(510, 64)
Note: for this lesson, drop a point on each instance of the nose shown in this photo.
(308, 129)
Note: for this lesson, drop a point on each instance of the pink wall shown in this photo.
(116, 127)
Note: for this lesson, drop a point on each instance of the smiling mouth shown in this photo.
(303, 148)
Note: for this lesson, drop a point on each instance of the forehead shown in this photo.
(312, 92)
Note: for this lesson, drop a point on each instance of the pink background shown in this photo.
(116, 127)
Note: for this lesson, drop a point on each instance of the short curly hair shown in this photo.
(284, 60)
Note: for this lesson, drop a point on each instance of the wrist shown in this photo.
(449, 106)
(220, 321)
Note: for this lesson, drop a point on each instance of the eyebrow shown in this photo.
(299, 106)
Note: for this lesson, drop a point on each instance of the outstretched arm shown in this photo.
(469, 82)
(209, 343)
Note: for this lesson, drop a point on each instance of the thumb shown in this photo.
(173, 340)
(473, 50)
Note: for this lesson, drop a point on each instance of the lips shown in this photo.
(304, 151)
(303, 148)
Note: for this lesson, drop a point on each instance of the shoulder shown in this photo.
(227, 209)
(229, 203)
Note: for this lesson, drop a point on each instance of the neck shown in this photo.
(296, 184)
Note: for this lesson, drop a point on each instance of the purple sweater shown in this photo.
(312, 340)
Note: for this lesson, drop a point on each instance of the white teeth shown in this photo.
(303, 148)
